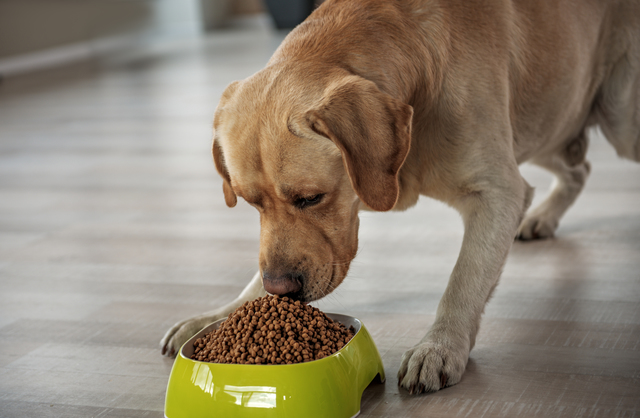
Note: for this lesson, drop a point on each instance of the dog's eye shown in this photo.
(304, 202)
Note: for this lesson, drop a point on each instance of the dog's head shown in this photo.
(306, 150)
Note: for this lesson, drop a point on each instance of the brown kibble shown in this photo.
(273, 330)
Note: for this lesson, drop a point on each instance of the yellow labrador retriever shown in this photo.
(371, 103)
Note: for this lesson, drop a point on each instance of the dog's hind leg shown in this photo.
(616, 109)
(617, 106)
(185, 329)
(571, 170)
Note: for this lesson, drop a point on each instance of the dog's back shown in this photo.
(570, 64)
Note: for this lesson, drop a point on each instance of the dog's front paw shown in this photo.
(178, 334)
(431, 366)
(537, 226)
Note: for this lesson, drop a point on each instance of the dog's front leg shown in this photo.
(491, 216)
(185, 329)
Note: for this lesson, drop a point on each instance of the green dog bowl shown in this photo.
(331, 387)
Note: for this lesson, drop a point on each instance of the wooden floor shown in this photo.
(113, 226)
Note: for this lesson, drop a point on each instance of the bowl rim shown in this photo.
(187, 348)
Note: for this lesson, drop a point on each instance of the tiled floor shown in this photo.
(113, 227)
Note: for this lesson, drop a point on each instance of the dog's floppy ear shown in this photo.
(230, 197)
(373, 132)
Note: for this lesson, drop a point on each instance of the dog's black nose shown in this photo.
(282, 284)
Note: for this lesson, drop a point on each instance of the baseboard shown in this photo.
(67, 54)
(124, 44)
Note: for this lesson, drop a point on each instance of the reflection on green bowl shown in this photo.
(330, 387)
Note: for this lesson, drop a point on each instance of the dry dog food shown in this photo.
(273, 330)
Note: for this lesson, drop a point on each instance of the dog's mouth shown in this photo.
(299, 295)
(323, 286)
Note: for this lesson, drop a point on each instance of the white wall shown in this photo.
(35, 34)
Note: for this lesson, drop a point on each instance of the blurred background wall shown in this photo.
(42, 33)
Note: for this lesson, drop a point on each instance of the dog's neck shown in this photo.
(369, 39)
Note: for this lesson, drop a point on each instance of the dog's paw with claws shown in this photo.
(178, 334)
(537, 226)
(431, 366)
